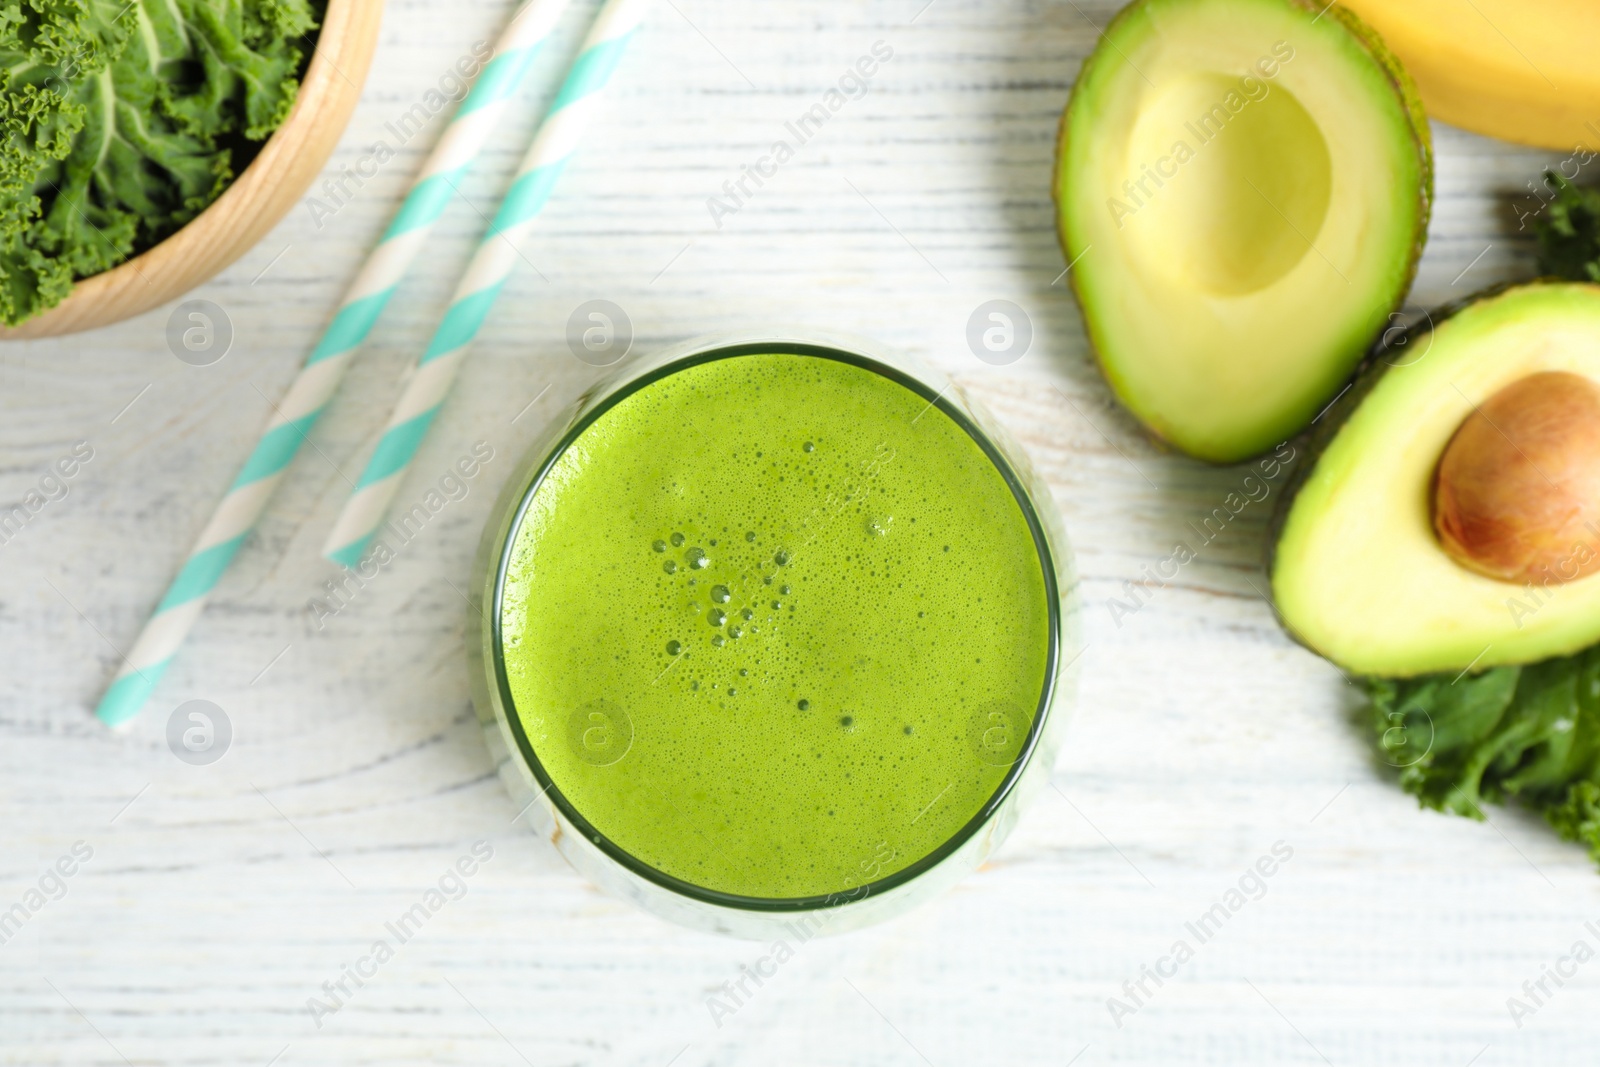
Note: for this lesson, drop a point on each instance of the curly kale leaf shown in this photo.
(1532, 733)
(1578, 817)
(121, 120)
(1569, 231)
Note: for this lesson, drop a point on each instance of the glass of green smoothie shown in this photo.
(776, 634)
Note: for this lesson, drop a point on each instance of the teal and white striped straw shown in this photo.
(452, 157)
(491, 265)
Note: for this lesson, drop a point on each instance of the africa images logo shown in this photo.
(1204, 128)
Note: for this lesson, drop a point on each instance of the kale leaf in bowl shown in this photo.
(121, 120)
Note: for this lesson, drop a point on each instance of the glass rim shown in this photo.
(614, 393)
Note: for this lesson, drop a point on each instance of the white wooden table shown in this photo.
(219, 898)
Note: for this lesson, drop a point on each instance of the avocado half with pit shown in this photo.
(1446, 516)
(1242, 192)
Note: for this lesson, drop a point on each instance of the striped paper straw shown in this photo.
(491, 265)
(455, 153)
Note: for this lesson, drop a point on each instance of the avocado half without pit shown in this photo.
(1446, 516)
(1242, 189)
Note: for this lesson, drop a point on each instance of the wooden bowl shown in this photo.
(255, 201)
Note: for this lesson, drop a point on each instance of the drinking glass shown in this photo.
(612, 868)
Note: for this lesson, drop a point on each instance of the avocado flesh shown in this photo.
(1358, 573)
(1230, 300)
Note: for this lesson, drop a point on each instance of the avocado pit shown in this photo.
(1517, 493)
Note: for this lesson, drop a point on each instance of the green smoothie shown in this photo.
(775, 624)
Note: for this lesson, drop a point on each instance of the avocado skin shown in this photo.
(1421, 136)
(1373, 42)
(1315, 440)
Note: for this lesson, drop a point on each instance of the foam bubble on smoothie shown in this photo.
(803, 585)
